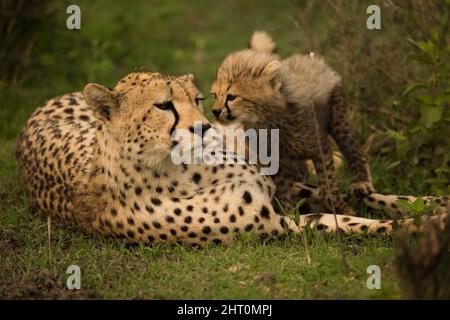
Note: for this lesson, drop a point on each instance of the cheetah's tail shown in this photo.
(376, 201)
(355, 225)
(262, 42)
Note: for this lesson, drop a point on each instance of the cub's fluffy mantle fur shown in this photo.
(303, 97)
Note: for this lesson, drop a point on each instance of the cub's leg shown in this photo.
(283, 193)
(289, 174)
(329, 191)
(345, 138)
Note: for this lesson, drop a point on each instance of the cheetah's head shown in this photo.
(146, 111)
(248, 83)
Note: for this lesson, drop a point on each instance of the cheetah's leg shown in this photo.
(345, 138)
(329, 191)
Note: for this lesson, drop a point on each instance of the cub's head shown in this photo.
(247, 85)
(147, 111)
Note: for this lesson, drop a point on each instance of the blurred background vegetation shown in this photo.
(397, 81)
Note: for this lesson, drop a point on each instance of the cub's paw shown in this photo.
(362, 189)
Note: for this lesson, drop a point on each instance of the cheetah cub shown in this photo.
(303, 98)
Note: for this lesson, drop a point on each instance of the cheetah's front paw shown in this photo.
(362, 189)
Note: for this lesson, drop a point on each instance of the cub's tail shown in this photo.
(262, 42)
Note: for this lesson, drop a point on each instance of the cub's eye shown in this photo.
(214, 95)
(231, 97)
(198, 100)
(164, 105)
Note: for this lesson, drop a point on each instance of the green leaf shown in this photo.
(300, 203)
(405, 205)
(393, 165)
(417, 219)
(436, 180)
(415, 128)
(430, 114)
(427, 47)
(434, 34)
(419, 205)
(297, 207)
(401, 149)
(443, 99)
(413, 87)
(426, 59)
(425, 100)
(432, 80)
(397, 135)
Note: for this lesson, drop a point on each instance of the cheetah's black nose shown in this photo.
(205, 127)
(216, 112)
(200, 129)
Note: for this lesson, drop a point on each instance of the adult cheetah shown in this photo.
(101, 161)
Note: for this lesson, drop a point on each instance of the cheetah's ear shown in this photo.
(272, 73)
(101, 99)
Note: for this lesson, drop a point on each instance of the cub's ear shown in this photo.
(272, 73)
(101, 99)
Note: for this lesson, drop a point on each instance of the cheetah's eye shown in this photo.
(231, 97)
(164, 105)
(214, 95)
(198, 100)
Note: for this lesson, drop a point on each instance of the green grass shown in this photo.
(306, 267)
(193, 37)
